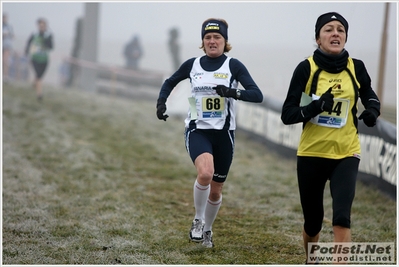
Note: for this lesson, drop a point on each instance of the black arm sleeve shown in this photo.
(367, 95)
(252, 93)
(28, 44)
(48, 42)
(292, 112)
(181, 74)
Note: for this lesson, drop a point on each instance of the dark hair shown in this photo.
(39, 20)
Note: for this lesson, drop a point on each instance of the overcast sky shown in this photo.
(286, 25)
(272, 23)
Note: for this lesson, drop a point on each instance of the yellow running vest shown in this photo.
(332, 135)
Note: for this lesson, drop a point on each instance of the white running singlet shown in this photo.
(207, 108)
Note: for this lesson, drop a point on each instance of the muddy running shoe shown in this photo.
(208, 243)
(196, 232)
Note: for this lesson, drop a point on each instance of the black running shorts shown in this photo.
(219, 143)
(39, 68)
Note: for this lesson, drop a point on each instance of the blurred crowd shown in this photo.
(32, 63)
(15, 65)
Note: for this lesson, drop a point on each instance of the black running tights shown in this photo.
(313, 174)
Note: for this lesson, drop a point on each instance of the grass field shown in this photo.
(96, 179)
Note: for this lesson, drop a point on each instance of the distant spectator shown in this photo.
(8, 36)
(65, 70)
(174, 47)
(38, 47)
(133, 53)
(19, 67)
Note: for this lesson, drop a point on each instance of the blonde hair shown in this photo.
(227, 45)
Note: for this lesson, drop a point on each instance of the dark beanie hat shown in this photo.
(214, 25)
(327, 17)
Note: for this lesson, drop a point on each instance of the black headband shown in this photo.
(214, 26)
(327, 17)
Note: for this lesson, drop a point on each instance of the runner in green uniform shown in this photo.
(38, 47)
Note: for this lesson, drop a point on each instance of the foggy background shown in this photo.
(269, 38)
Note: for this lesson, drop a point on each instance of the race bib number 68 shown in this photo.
(207, 107)
(212, 104)
(212, 107)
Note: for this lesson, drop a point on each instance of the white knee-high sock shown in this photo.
(212, 209)
(201, 194)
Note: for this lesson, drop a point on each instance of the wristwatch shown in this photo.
(238, 93)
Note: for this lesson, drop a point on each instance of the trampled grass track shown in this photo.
(96, 179)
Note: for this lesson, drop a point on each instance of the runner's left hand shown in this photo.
(369, 116)
(225, 91)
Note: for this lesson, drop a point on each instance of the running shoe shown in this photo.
(197, 229)
(208, 243)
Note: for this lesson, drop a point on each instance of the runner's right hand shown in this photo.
(161, 109)
(326, 101)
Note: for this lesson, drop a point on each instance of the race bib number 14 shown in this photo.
(337, 118)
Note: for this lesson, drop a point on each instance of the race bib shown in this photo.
(34, 49)
(337, 118)
(208, 107)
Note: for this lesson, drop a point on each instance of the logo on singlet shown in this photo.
(336, 87)
(335, 81)
(218, 75)
(204, 88)
(198, 75)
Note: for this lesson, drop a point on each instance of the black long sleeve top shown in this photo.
(252, 93)
(292, 113)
